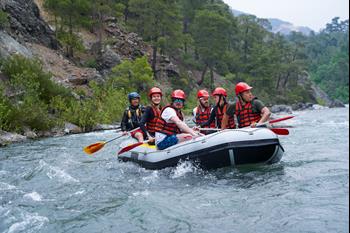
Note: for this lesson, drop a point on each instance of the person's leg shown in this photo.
(168, 142)
(184, 137)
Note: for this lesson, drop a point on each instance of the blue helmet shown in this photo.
(133, 95)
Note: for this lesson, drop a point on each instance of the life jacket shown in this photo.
(151, 124)
(134, 116)
(220, 115)
(245, 115)
(168, 128)
(202, 117)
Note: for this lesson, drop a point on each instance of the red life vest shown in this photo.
(245, 115)
(220, 115)
(203, 116)
(168, 128)
(151, 125)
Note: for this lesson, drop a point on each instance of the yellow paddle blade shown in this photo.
(94, 148)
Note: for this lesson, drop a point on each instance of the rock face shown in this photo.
(9, 46)
(26, 24)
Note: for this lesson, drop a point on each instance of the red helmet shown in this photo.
(220, 91)
(178, 94)
(202, 93)
(155, 90)
(242, 87)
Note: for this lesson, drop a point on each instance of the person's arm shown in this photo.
(211, 118)
(229, 112)
(265, 115)
(182, 126)
(264, 111)
(146, 117)
(124, 123)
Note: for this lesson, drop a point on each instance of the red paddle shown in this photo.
(128, 148)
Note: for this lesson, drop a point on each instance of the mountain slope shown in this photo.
(280, 26)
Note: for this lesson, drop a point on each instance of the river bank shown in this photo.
(7, 138)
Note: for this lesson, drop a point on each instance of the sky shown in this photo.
(314, 14)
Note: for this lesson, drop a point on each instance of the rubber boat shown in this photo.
(233, 147)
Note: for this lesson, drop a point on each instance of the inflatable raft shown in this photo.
(223, 149)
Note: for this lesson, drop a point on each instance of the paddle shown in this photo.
(99, 145)
(128, 148)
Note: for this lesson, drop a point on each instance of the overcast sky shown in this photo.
(311, 13)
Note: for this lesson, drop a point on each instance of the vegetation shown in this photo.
(31, 100)
(3, 19)
(200, 35)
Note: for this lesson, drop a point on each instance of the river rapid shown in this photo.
(50, 186)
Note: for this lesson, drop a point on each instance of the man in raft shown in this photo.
(201, 113)
(152, 114)
(250, 111)
(170, 127)
(216, 116)
(132, 117)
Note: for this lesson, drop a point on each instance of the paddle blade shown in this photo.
(281, 119)
(280, 131)
(94, 148)
(126, 149)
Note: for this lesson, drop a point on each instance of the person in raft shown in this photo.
(132, 117)
(152, 114)
(250, 111)
(201, 113)
(216, 116)
(170, 127)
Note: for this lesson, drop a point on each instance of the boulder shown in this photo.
(337, 104)
(8, 138)
(70, 128)
(281, 108)
(109, 59)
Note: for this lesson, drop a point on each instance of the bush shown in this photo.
(132, 75)
(3, 19)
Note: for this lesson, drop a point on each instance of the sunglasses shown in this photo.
(179, 101)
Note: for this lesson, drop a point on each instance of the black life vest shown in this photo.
(168, 128)
(220, 115)
(151, 124)
(134, 117)
(245, 114)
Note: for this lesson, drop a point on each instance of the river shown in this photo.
(50, 185)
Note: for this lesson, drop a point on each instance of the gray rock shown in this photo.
(8, 138)
(108, 60)
(30, 134)
(337, 104)
(9, 46)
(26, 23)
(70, 128)
(281, 108)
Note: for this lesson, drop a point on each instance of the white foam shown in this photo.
(30, 223)
(152, 178)
(5, 186)
(57, 173)
(34, 196)
(143, 193)
(183, 168)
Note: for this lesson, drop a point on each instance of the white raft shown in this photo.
(226, 148)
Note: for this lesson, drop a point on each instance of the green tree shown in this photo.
(157, 21)
(132, 75)
(211, 33)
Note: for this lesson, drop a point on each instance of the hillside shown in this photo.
(280, 26)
